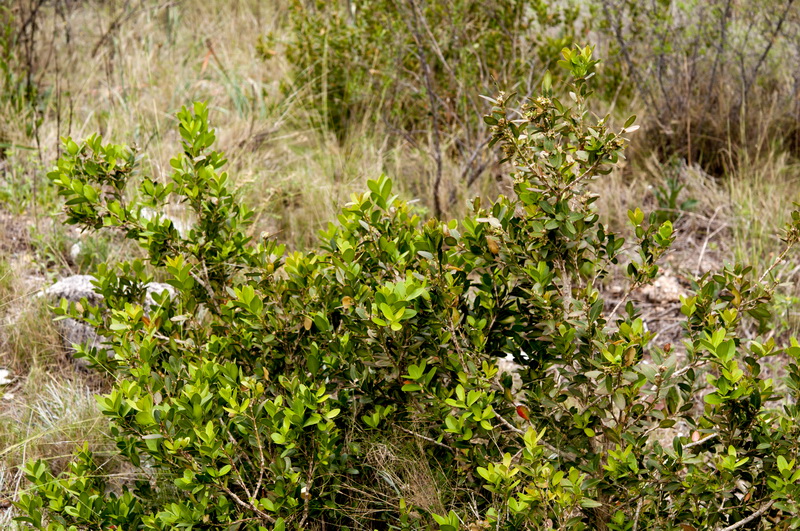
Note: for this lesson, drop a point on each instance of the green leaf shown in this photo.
(587, 503)
(713, 399)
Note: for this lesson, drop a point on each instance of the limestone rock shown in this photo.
(665, 289)
(77, 287)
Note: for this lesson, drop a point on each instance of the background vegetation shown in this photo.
(311, 99)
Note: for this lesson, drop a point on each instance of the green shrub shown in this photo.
(418, 69)
(19, 94)
(711, 73)
(255, 397)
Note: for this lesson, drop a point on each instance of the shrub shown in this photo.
(256, 397)
(20, 96)
(711, 75)
(418, 68)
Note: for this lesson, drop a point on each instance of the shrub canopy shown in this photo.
(357, 385)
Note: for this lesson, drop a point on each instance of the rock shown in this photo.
(509, 365)
(78, 287)
(666, 288)
(75, 251)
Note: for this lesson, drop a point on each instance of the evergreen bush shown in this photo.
(277, 391)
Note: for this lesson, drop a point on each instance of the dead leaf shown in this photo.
(493, 247)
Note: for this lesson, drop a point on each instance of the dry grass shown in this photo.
(47, 408)
(124, 69)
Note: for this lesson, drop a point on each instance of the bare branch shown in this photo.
(754, 516)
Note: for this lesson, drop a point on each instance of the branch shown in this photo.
(636, 516)
(115, 24)
(776, 262)
(211, 295)
(562, 454)
(426, 71)
(248, 506)
(755, 515)
(701, 441)
(423, 437)
(764, 55)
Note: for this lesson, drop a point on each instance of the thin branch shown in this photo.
(616, 24)
(767, 49)
(701, 441)
(211, 295)
(437, 149)
(723, 23)
(636, 516)
(562, 454)
(115, 24)
(631, 287)
(754, 516)
(707, 239)
(423, 437)
(776, 262)
(248, 506)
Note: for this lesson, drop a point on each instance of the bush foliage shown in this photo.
(417, 70)
(710, 73)
(410, 59)
(279, 391)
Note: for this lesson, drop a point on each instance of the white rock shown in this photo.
(77, 287)
(75, 251)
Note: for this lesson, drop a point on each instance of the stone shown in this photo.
(665, 289)
(77, 287)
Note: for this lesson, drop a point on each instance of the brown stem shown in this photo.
(426, 71)
(741, 523)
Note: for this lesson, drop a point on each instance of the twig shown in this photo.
(776, 262)
(177, 341)
(238, 476)
(636, 516)
(701, 441)
(468, 165)
(116, 23)
(682, 371)
(211, 295)
(723, 25)
(562, 454)
(510, 426)
(437, 150)
(767, 49)
(750, 518)
(246, 505)
(624, 298)
(260, 446)
(708, 237)
(305, 493)
(423, 437)
(623, 45)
